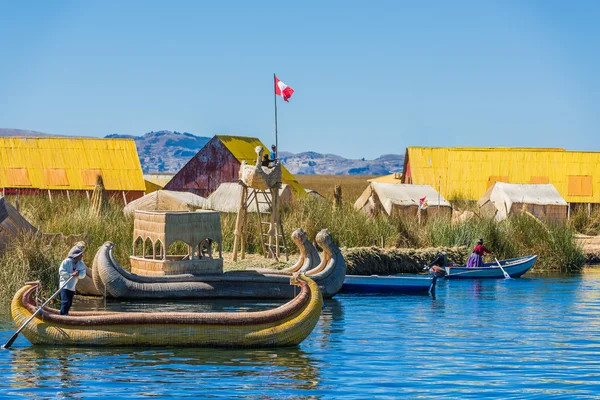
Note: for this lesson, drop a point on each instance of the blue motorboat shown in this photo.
(388, 283)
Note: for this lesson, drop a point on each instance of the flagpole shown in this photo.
(275, 98)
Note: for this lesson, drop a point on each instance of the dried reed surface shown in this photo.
(375, 260)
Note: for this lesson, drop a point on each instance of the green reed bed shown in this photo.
(32, 258)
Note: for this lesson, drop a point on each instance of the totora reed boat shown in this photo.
(108, 277)
(287, 325)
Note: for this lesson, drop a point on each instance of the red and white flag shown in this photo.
(423, 203)
(283, 90)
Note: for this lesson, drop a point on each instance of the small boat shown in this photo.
(388, 283)
(515, 267)
(287, 325)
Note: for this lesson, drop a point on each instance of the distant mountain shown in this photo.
(24, 132)
(316, 163)
(165, 151)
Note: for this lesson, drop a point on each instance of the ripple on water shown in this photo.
(525, 338)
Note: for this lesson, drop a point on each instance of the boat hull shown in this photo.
(515, 267)
(387, 283)
(287, 325)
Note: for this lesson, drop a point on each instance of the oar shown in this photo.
(14, 337)
(506, 275)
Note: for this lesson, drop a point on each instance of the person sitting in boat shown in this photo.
(72, 266)
(476, 258)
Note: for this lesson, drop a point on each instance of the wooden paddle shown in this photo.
(506, 275)
(14, 337)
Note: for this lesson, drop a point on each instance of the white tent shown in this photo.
(167, 200)
(400, 199)
(541, 200)
(227, 198)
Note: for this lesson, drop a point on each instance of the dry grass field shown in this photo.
(352, 185)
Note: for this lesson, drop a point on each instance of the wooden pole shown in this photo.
(275, 98)
(239, 222)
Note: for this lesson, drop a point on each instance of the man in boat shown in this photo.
(476, 258)
(72, 266)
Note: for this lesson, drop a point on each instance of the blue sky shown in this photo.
(370, 77)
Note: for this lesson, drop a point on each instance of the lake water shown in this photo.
(535, 337)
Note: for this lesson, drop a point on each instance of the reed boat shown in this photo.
(110, 278)
(287, 325)
(515, 267)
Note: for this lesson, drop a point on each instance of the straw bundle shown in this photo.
(99, 198)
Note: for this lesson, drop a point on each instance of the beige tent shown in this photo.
(541, 200)
(11, 223)
(227, 198)
(166, 200)
(400, 200)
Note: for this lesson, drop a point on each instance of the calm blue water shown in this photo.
(534, 337)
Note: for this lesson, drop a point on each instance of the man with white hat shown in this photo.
(72, 266)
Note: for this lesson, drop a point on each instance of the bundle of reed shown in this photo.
(99, 198)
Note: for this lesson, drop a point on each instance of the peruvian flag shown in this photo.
(283, 90)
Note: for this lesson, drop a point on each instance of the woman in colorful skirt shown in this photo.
(476, 259)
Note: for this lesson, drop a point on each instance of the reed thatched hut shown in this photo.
(167, 200)
(12, 223)
(401, 200)
(227, 198)
(541, 200)
(219, 162)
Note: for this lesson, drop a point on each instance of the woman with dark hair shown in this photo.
(476, 258)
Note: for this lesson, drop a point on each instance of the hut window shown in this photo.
(158, 249)
(90, 176)
(580, 185)
(17, 177)
(148, 248)
(138, 247)
(56, 177)
(494, 179)
(539, 179)
(179, 250)
(206, 248)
